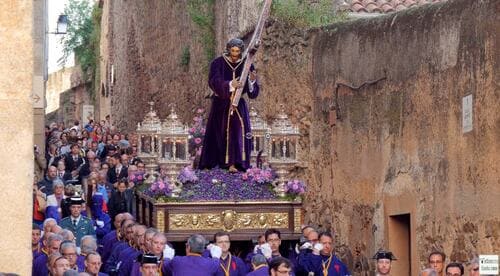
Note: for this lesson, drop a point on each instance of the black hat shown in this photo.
(149, 259)
(76, 201)
(110, 147)
(382, 254)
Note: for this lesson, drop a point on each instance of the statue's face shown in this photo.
(234, 53)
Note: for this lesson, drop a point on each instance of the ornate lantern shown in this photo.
(283, 148)
(148, 142)
(260, 136)
(174, 148)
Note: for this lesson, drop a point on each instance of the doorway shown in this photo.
(400, 243)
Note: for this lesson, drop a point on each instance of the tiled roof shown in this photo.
(382, 6)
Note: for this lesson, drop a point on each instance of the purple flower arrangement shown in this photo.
(218, 184)
(295, 187)
(259, 175)
(136, 177)
(160, 188)
(187, 175)
(197, 133)
(221, 185)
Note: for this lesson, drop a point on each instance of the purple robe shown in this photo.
(236, 268)
(261, 271)
(113, 260)
(98, 214)
(40, 266)
(107, 245)
(80, 262)
(191, 265)
(126, 260)
(313, 263)
(219, 148)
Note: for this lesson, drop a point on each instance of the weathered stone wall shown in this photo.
(70, 102)
(17, 70)
(147, 39)
(397, 145)
(57, 83)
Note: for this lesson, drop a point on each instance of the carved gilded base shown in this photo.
(244, 220)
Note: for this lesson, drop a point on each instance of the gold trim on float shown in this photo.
(228, 220)
(160, 220)
(297, 220)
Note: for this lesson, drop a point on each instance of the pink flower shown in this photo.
(161, 185)
(192, 130)
(197, 140)
(202, 131)
(196, 119)
(200, 110)
(244, 176)
(139, 177)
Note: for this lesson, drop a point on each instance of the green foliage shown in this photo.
(302, 13)
(83, 37)
(202, 14)
(185, 56)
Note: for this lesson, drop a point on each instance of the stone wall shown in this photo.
(146, 43)
(17, 70)
(396, 146)
(57, 83)
(70, 101)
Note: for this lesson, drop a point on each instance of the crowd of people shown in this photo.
(84, 223)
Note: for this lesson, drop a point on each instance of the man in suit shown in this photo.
(118, 171)
(74, 161)
(62, 173)
(76, 223)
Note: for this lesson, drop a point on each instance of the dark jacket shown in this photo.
(120, 203)
(113, 177)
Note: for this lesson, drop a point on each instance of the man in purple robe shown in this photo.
(53, 241)
(101, 220)
(228, 136)
(112, 237)
(193, 263)
(111, 263)
(322, 260)
(260, 267)
(128, 255)
(231, 265)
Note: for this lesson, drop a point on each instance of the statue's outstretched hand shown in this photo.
(253, 75)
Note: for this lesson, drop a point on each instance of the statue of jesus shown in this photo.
(228, 136)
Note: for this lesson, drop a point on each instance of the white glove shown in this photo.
(210, 245)
(306, 245)
(168, 252)
(99, 223)
(215, 251)
(256, 249)
(266, 250)
(317, 248)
